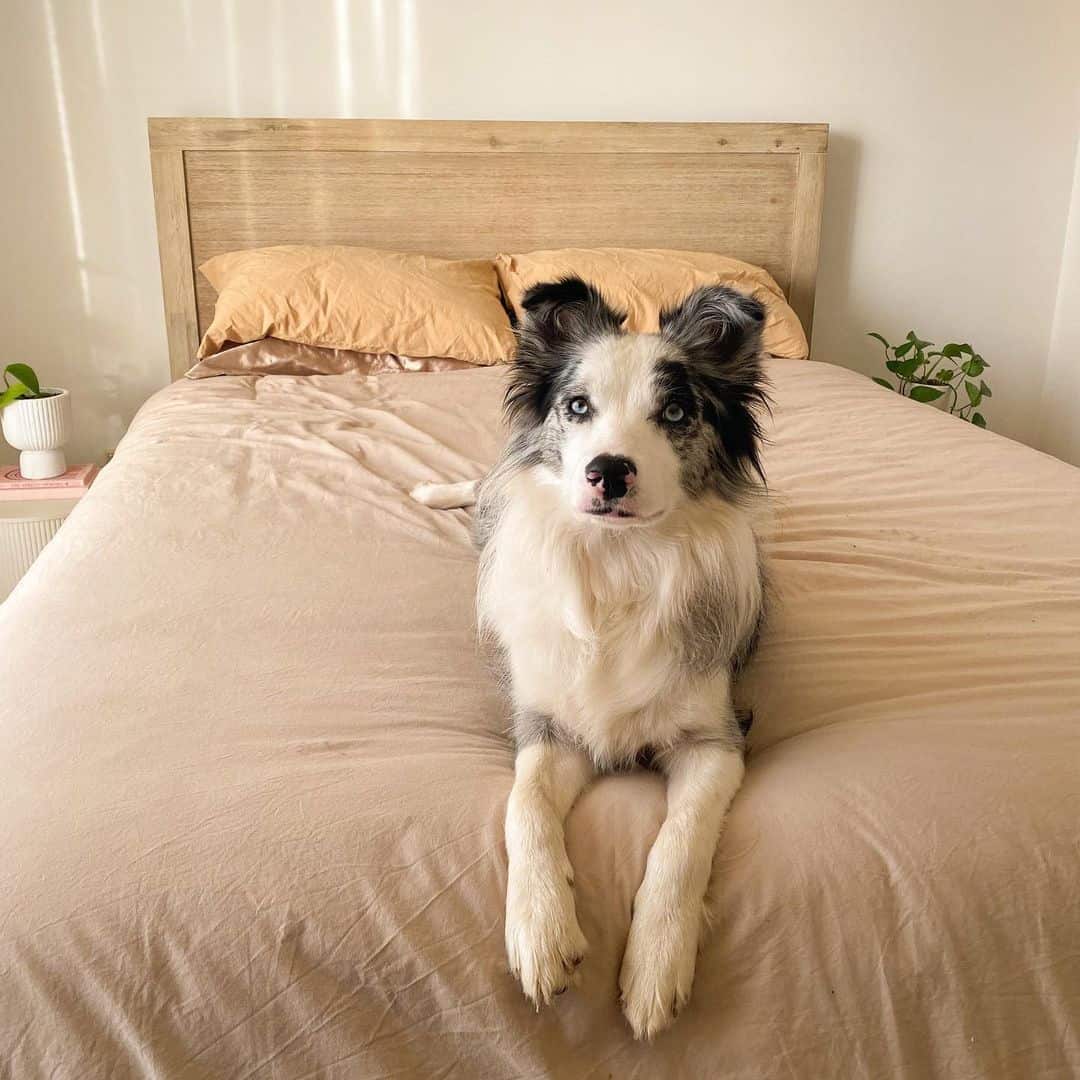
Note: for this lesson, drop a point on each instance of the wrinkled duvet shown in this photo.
(253, 771)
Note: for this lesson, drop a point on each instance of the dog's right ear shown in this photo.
(557, 318)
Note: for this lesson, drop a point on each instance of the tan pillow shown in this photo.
(271, 356)
(643, 282)
(361, 300)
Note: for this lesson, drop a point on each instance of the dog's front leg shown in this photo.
(661, 951)
(544, 943)
(459, 496)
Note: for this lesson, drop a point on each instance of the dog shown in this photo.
(621, 583)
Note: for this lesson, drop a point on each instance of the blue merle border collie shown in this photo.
(621, 581)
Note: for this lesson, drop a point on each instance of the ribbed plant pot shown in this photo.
(39, 427)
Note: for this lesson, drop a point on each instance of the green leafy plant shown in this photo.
(20, 381)
(927, 374)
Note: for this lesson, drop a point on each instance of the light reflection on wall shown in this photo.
(378, 38)
(278, 63)
(407, 71)
(99, 44)
(189, 27)
(344, 57)
(69, 160)
(228, 11)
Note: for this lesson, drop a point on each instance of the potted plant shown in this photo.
(36, 420)
(937, 376)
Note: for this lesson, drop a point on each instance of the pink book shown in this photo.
(69, 485)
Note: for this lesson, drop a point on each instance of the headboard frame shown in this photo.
(471, 188)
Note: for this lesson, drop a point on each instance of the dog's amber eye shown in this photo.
(579, 406)
(674, 414)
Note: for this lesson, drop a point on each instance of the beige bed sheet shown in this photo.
(253, 774)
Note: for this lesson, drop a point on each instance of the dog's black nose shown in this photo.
(611, 476)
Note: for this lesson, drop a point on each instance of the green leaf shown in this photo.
(925, 393)
(25, 374)
(909, 367)
(966, 348)
(973, 392)
(945, 376)
(984, 389)
(903, 350)
(871, 333)
(17, 390)
(973, 367)
(952, 350)
(978, 420)
(884, 382)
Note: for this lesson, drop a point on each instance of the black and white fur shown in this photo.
(621, 582)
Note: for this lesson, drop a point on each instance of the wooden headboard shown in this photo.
(472, 188)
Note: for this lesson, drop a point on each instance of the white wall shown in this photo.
(1060, 419)
(951, 163)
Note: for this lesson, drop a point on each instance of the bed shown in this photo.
(254, 770)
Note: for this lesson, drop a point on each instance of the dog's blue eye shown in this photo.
(673, 413)
(579, 406)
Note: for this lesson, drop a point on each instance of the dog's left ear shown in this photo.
(716, 323)
(719, 332)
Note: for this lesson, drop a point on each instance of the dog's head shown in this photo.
(633, 425)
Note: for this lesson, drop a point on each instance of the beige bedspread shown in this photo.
(252, 772)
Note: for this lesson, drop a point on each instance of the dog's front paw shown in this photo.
(544, 943)
(428, 494)
(658, 964)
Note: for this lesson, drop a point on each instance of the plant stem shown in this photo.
(935, 367)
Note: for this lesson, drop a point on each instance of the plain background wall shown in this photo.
(1060, 415)
(951, 168)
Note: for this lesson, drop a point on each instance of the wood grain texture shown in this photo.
(464, 205)
(485, 136)
(174, 253)
(469, 189)
(806, 238)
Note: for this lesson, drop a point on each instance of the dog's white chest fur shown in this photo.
(599, 666)
(588, 624)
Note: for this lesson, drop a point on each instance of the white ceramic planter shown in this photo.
(39, 427)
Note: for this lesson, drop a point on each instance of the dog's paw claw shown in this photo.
(657, 969)
(544, 942)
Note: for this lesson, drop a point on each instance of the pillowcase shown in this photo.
(271, 356)
(643, 282)
(361, 300)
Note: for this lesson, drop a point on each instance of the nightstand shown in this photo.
(26, 526)
(30, 513)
